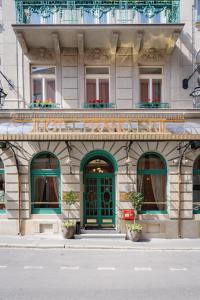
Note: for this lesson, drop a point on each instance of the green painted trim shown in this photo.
(99, 216)
(45, 211)
(96, 154)
(153, 212)
(47, 173)
(163, 172)
(2, 171)
(196, 171)
(2, 211)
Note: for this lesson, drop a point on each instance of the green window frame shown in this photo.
(196, 171)
(161, 172)
(45, 173)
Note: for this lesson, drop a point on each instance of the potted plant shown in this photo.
(135, 230)
(69, 226)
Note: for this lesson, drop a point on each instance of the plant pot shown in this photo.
(135, 235)
(68, 233)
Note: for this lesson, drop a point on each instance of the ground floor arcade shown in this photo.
(36, 175)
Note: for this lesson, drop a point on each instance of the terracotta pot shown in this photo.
(136, 236)
(68, 233)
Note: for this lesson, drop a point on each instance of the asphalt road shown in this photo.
(99, 274)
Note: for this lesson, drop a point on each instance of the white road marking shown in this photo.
(3, 267)
(106, 268)
(178, 269)
(33, 267)
(69, 268)
(143, 269)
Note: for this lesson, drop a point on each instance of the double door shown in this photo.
(99, 200)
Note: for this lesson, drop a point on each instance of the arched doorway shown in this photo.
(99, 189)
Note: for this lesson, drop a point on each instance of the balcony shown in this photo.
(97, 12)
(153, 105)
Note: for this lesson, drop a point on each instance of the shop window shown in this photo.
(43, 84)
(196, 186)
(150, 84)
(2, 188)
(45, 183)
(152, 182)
(97, 84)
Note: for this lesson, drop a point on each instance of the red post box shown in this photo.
(128, 214)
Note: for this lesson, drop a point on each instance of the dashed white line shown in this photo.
(69, 268)
(106, 269)
(178, 269)
(33, 267)
(3, 267)
(143, 269)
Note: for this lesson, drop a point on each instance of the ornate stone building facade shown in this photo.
(96, 105)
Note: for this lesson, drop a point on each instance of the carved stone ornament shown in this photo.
(151, 55)
(97, 55)
(41, 55)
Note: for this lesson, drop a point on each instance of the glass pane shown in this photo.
(97, 70)
(150, 161)
(196, 192)
(35, 18)
(37, 89)
(1, 164)
(151, 70)
(104, 90)
(91, 90)
(103, 19)
(156, 19)
(88, 18)
(153, 187)
(43, 70)
(2, 192)
(143, 19)
(144, 90)
(156, 90)
(197, 163)
(99, 166)
(45, 161)
(46, 192)
(50, 90)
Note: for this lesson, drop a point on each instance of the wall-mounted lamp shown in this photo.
(175, 161)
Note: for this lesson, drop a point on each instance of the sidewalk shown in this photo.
(56, 242)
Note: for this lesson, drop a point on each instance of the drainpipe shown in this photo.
(179, 188)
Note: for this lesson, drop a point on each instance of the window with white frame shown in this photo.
(150, 84)
(97, 84)
(43, 84)
(89, 18)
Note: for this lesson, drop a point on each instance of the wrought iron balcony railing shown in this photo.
(152, 105)
(69, 11)
(98, 105)
(43, 105)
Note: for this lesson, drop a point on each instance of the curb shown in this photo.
(92, 247)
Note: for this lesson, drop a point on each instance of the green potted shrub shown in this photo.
(135, 230)
(69, 226)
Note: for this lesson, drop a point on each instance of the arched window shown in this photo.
(196, 186)
(152, 182)
(45, 184)
(2, 188)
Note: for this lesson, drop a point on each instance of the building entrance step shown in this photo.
(100, 234)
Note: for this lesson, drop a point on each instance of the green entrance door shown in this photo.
(99, 200)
